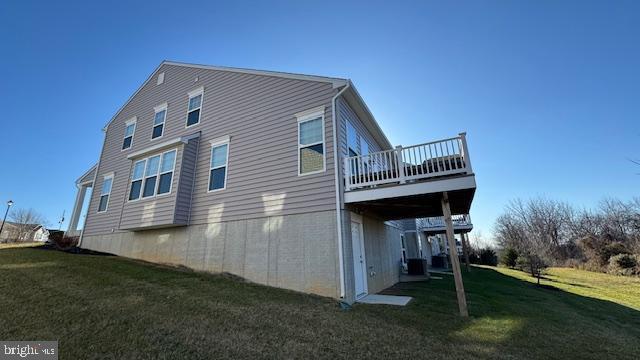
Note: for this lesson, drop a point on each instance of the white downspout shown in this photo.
(93, 187)
(336, 163)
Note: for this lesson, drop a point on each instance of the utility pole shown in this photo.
(61, 220)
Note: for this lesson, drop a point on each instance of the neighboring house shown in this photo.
(425, 238)
(234, 170)
(12, 231)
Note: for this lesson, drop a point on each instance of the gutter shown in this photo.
(337, 185)
(93, 188)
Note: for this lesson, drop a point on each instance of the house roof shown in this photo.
(87, 176)
(352, 95)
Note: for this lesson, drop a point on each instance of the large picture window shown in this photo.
(105, 193)
(311, 148)
(218, 168)
(194, 108)
(152, 176)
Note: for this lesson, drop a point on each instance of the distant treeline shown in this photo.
(552, 232)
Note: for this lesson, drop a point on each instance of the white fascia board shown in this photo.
(370, 121)
(336, 82)
(93, 168)
(427, 187)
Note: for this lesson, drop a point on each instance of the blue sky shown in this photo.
(548, 91)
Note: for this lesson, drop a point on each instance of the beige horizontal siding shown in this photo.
(258, 113)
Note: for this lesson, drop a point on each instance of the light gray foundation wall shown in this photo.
(383, 254)
(296, 252)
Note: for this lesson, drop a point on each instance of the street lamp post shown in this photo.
(9, 203)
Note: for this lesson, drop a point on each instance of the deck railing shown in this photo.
(407, 164)
(438, 222)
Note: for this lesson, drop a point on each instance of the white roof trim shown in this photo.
(336, 82)
(163, 145)
(93, 168)
(371, 121)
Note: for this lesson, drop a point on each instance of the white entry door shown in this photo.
(359, 263)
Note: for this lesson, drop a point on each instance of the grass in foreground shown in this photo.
(110, 307)
(15, 245)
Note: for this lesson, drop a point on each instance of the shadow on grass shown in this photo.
(510, 317)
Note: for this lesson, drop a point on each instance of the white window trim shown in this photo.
(133, 121)
(225, 140)
(173, 173)
(104, 178)
(156, 110)
(191, 94)
(144, 177)
(305, 116)
(131, 180)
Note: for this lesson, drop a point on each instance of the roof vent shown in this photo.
(160, 78)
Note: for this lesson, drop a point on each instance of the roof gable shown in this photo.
(335, 82)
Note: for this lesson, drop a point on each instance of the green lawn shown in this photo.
(110, 307)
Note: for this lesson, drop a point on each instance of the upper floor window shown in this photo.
(129, 130)
(311, 156)
(152, 176)
(105, 193)
(195, 106)
(352, 140)
(158, 121)
(218, 168)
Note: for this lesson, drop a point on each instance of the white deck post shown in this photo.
(465, 152)
(347, 174)
(400, 164)
(453, 254)
(77, 209)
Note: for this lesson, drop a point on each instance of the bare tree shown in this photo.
(24, 221)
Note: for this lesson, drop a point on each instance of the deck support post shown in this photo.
(453, 254)
(464, 239)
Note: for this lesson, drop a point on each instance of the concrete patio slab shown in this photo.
(385, 299)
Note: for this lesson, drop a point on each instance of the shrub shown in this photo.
(65, 242)
(624, 264)
(611, 250)
(509, 257)
(488, 257)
